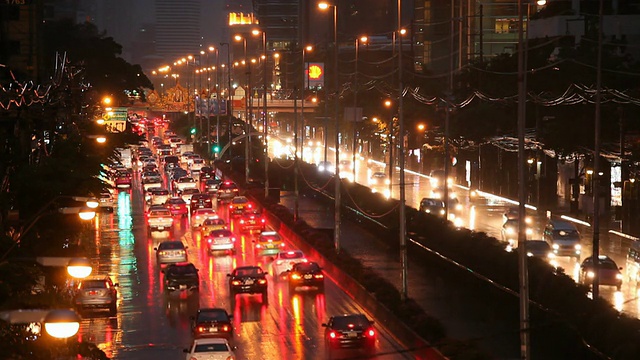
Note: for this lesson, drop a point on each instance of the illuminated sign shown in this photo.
(315, 75)
(242, 19)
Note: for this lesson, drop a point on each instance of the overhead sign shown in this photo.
(315, 75)
(115, 120)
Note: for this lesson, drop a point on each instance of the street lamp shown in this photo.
(62, 323)
(336, 235)
(362, 39)
(79, 268)
(246, 106)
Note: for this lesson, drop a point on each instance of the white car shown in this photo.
(158, 196)
(152, 182)
(284, 261)
(185, 156)
(210, 349)
(197, 164)
(199, 216)
(186, 182)
(221, 240)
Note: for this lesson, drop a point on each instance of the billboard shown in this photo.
(314, 78)
(115, 120)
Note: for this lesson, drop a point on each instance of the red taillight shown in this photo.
(209, 240)
(319, 276)
(233, 239)
(250, 206)
(262, 281)
(235, 282)
(332, 334)
(230, 206)
(370, 333)
(263, 221)
(201, 328)
(241, 221)
(225, 328)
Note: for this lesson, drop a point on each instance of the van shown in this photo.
(563, 237)
(633, 262)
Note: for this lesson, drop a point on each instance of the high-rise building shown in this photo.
(177, 28)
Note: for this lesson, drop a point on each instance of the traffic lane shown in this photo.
(299, 315)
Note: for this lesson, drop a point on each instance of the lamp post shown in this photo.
(79, 268)
(336, 235)
(62, 323)
(401, 214)
(229, 100)
(247, 93)
(387, 104)
(362, 39)
(264, 111)
(304, 86)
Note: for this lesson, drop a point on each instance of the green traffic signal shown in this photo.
(216, 148)
(193, 131)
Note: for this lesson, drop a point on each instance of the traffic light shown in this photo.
(193, 131)
(216, 148)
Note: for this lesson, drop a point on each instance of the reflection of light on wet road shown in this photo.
(618, 300)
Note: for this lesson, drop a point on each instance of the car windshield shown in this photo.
(213, 315)
(432, 202)
(203, 348)
(565, 233)
(306, 267)
(214, 222)
(221, 233)
(93, 284)
(249, 271)
(171, 245)
(181, 269)
(344, 322)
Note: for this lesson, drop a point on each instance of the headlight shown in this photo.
(555, 246)
(428, 211)
(591, 274)
(459, 207)
(619, 276)
(510, 231)
(551, 255)
(442, 212)
(458, 222)
(321, 168)
(529, 231)
(578, 246)
(529, 254)
(387, 181)
(528, 220)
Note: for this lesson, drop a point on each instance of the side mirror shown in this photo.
(228, 275)
(155, 248)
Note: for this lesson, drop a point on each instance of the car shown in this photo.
(185, 156)
(436, 179)
(159, 218)
(196, 165)
(350, 331)
(564, 238)
(252, 220)
(221, 240)
(185, 182)
(433, 206)
(513, 213)
(537, 248)
(181, 277)
(106, 201)
(200, 215)
(284, 261)
(186, 194)
(326, 166)
(96, 292)
(210, 349)
(248, 280)
(158, 196)
(123, 179)
(212, 223)
(151, 182)
(379, 178)
(227, 191)
(211, 186)
(269, 242)
(191, 158)
(177, 206)
(509, 232)
(201, 201)
(238, 205)
(206, 173)
(212, 322)
(171, 252)
(608, 272)
(307, 274)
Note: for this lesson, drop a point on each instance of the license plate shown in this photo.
(213, 329)
(308, 276)
(160, 227)
(249, 282)
(352, 334)
(227, 191)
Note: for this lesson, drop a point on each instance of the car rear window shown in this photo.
(249, 272)
(211, 348)
(213, 316)
(94, 284)
(171, 245)
(163, 212)
(182, 269)
(291, 255)
(345, 321)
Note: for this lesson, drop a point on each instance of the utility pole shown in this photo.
(402, 216)
(525, 342)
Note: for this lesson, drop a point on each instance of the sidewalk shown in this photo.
(463, 319)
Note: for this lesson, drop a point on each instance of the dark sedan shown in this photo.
(350, 331)
(212, 322)
(248, 280)
(181, 277)
(306, 274)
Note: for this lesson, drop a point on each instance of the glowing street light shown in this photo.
(79, 268)
(62, 323)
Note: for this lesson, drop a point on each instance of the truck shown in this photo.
(125, 157)
(182, 148)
